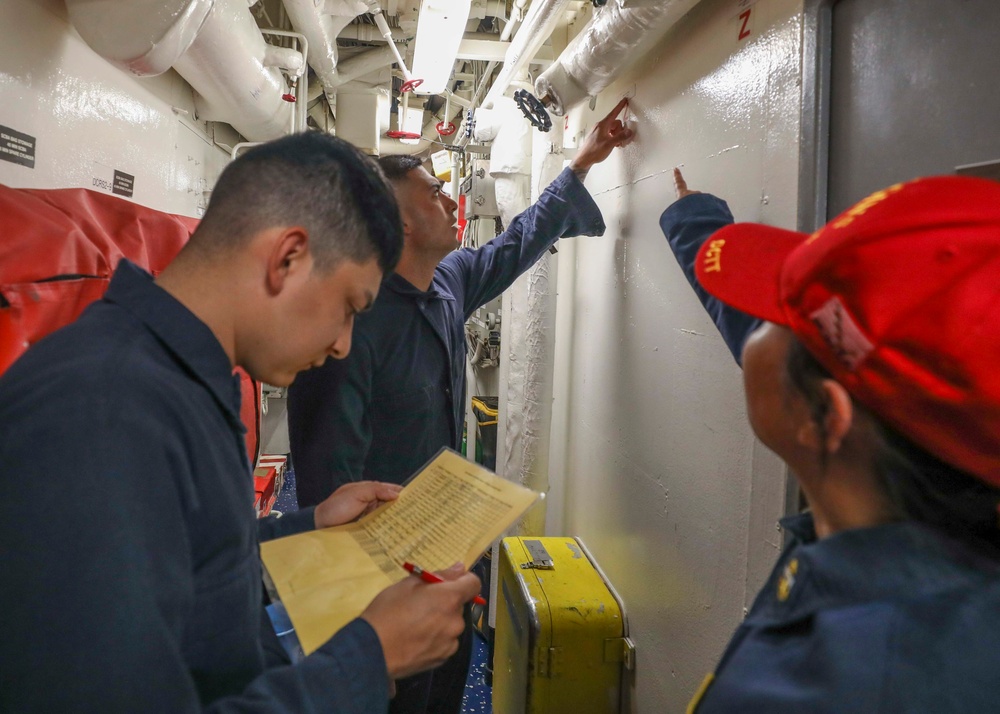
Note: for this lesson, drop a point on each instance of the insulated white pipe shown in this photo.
(285, 58)
(321, 23)
(527, 367)
(301, 76)
(541, 20)
(142, 37)
(604, 49)
(214, 44)
(225, 66)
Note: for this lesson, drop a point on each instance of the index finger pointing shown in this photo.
(618, 107)
(680, 185)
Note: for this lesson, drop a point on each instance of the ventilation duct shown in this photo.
(605, 48)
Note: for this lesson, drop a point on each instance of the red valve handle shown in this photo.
(445, 128)
(410, 85)
(288, 98)
(402, 135)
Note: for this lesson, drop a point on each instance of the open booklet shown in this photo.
(451, 511)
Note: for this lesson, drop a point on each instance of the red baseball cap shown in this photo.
(899, 298)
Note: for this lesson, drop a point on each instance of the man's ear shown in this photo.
(289, 253)
(407, 223)
(827, 430)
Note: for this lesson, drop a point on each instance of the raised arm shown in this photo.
(687, 223)
(564, 209)
(608, 133)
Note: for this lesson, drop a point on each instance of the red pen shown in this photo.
(429, 577)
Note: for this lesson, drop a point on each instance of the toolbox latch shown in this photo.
(540, 558)
(620, 649)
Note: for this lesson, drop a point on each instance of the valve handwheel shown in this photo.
(445, 128)
(403, 135)
(409, 85)
(533, 109)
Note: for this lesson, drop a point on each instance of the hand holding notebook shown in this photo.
(451, 511)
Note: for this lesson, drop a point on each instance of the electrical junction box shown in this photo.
(562, 644)
(480, 190)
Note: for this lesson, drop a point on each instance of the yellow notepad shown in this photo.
(451, 511)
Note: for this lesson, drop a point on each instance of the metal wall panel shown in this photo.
(89, 119)
(910, 91)
(660, 472)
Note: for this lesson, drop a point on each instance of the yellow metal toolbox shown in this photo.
(562, 641)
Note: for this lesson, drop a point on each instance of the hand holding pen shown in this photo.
(429, 577)
(418, 626)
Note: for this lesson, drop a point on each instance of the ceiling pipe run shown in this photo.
(604, 49)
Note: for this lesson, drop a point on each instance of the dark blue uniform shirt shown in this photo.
(130, 576)
(687, 224)
(897, 618)
(892, 619)
(399, 396)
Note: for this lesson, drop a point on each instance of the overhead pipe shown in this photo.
(604, 49)
(541, 20)
(294, 63)
(371, 33)
(321, 23)
(213, 44)
(225, 66)
(142, 37)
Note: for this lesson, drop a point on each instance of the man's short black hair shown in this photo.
(396, 166)
(315, 180)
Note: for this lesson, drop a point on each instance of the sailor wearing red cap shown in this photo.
(870, 352)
